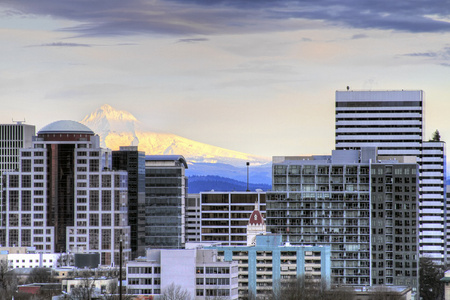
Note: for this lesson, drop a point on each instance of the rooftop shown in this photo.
(65, 126)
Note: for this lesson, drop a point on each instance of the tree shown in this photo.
(41, 275)
(436, 136)
(303, 288)
(175, 292)
(384, 293)
(430, 274)
(8, 280)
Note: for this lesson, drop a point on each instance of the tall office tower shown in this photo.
(129, 159)
(64, 195)
(392, 121)
(224, 215)
(165, 199)
(365, 209)
(12, 138)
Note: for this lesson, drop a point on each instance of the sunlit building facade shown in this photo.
(65, 197)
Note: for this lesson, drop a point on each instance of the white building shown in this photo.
(393, 122)
(224, 215)
(33, 260)
(64, 195)
(195, 270)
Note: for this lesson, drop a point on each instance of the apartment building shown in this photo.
(364, 208)
(393, 121)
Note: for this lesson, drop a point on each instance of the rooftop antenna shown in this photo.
(248, 164)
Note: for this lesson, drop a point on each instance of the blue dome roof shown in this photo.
(65, 126)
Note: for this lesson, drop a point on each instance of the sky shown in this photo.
(257, 77)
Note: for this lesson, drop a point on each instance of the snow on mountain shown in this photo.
(120, 128)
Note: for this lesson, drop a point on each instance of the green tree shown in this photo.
(430, 274)
(436, 136)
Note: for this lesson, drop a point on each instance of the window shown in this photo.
(93, 220)
(93, 165)
(106, 239)
(26, 165)
(106, 181)
(106, 200)
(14, 181)
(26, 200)
(26, 181)
(93, 200)
(94, 180)
(106, 220)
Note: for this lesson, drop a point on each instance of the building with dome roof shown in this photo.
(65, 197)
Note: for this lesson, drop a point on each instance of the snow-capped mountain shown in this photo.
(120, 128)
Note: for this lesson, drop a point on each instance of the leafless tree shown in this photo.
(308, 289)
(175, 292)
(112, 293)
(8, 281)
(384, 293)
(41, 275)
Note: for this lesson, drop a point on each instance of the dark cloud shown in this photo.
(59, 44)
(205, 17)
(359, 36)
(441, 57)
(192, 40)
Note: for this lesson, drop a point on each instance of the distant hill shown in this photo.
(197, 184)
(257, 173)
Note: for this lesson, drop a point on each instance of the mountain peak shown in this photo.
(120, 128)
(106, 111)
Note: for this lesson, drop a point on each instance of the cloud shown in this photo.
(192, 40)
(60, 44)
(359, 36)
(441, 57)
(206, 17)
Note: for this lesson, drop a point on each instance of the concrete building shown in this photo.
(393, 122)
(64, 195)
(33, 260)
(193, 218)
(133, 161)
(265, 265)
(165, 201)
(364, 208)
(12, 138)
(198, 271)
(224, 215)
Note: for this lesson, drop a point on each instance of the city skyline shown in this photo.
(232, 74)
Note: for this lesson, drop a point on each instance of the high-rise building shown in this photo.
(64, 196)
(129, 159)
(165, 200)
(364, 208)
(12, 138)
(393, 122)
